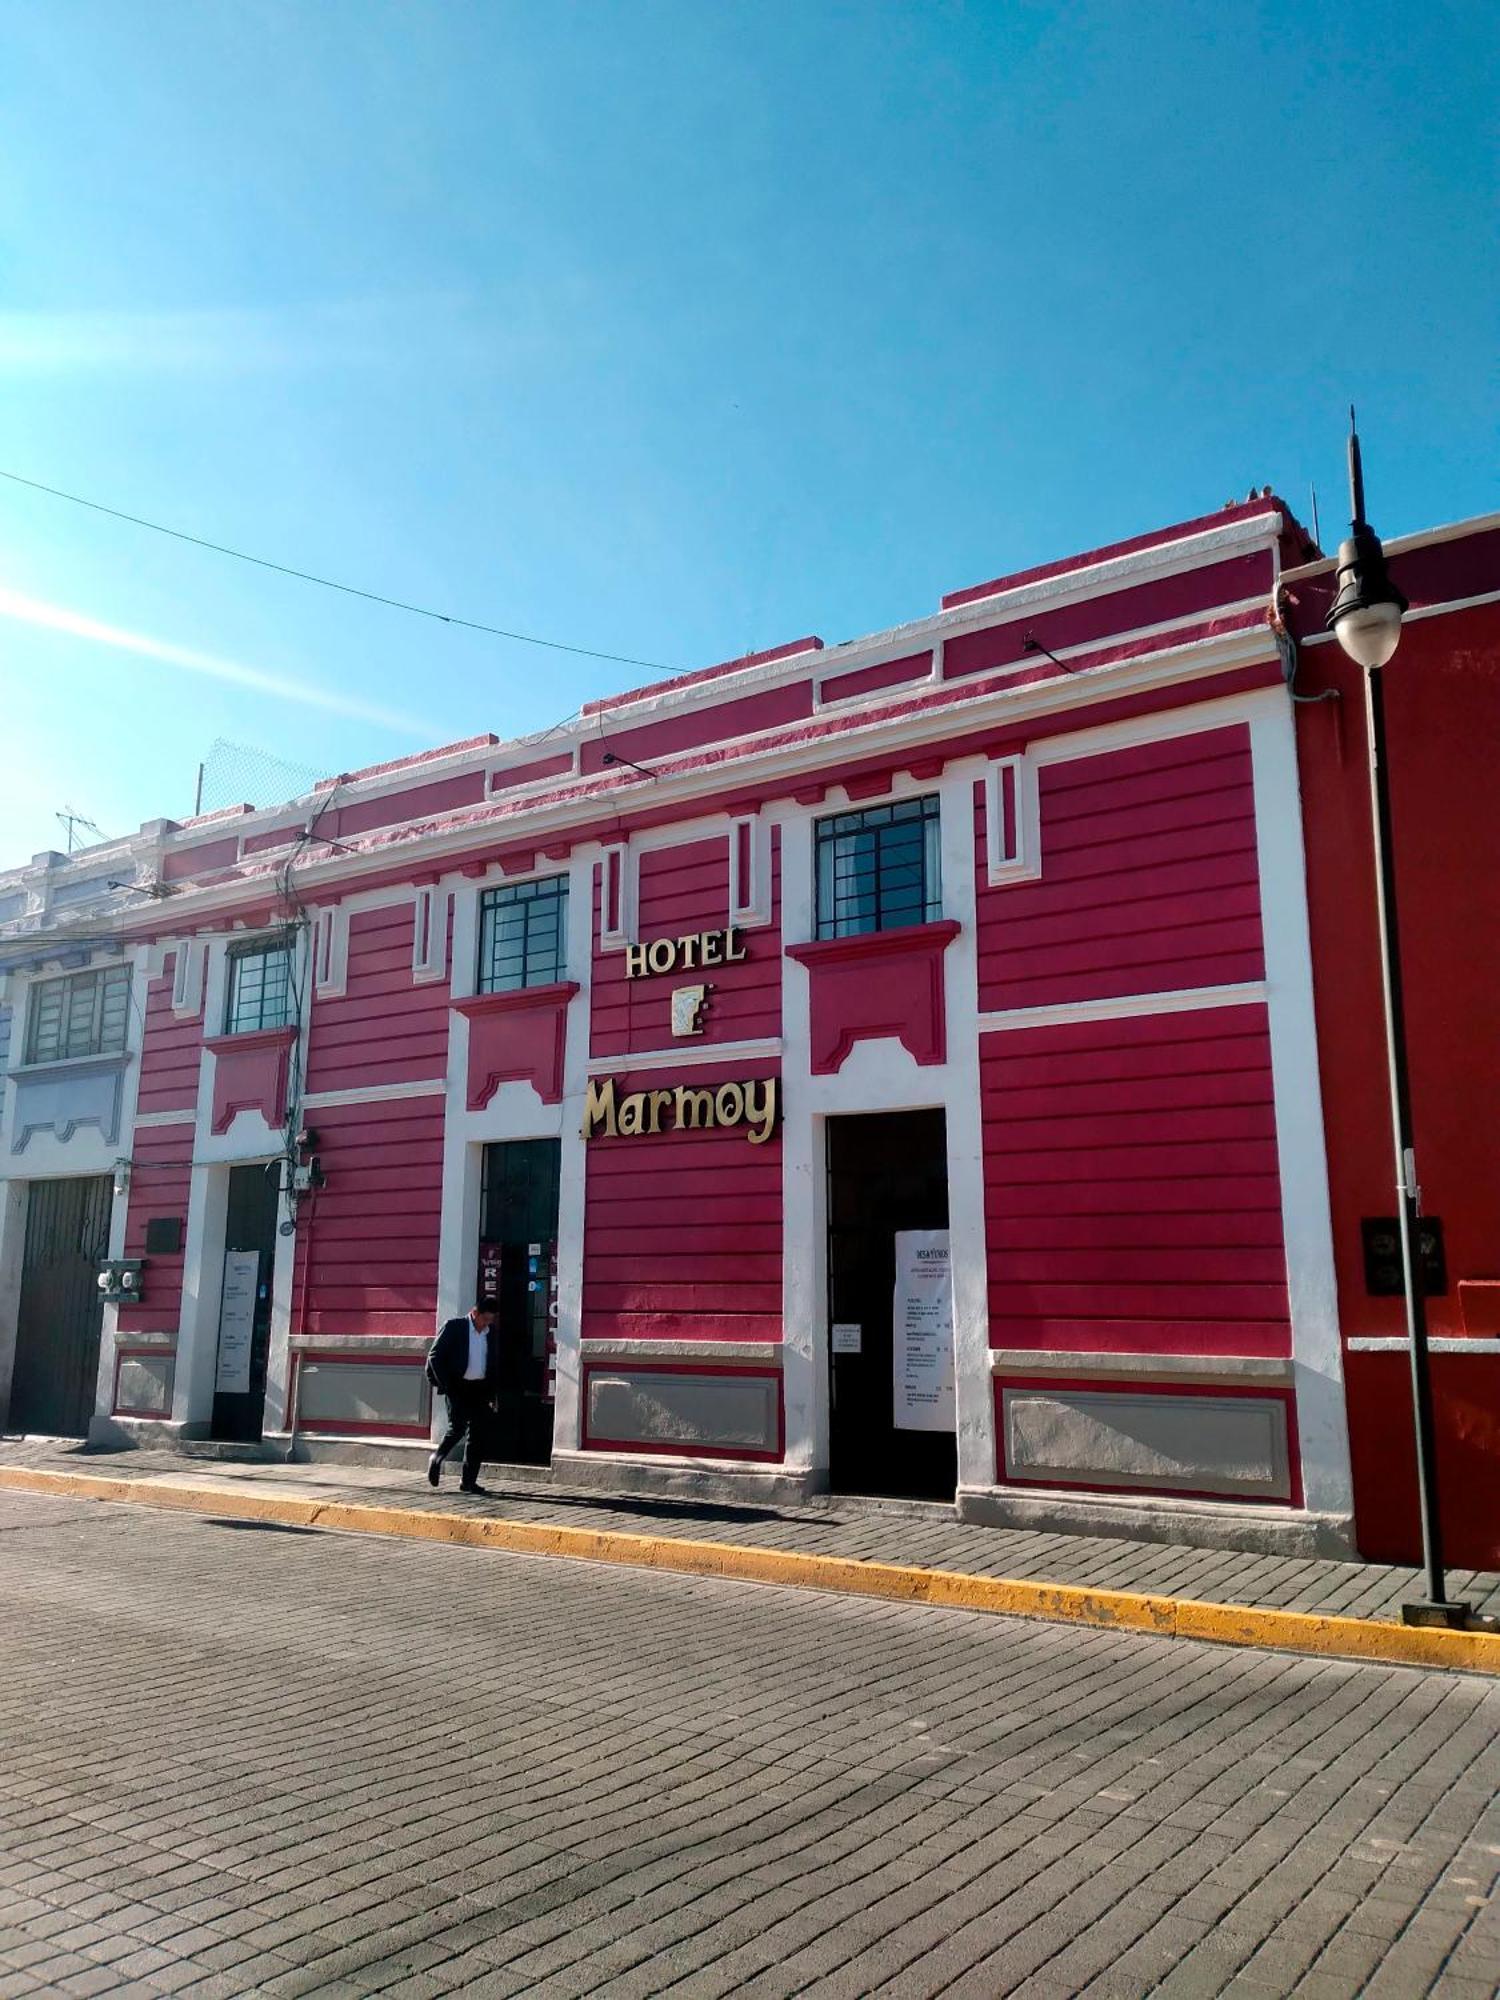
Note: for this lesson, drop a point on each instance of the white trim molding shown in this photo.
(374, 1093)
(684, 1058)
(1179, 1000)
(1306, 1217)
(1012, 820)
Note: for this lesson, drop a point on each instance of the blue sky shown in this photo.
(676, 329)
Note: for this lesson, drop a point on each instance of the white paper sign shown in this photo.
(847, 1336)
(923, 1326)
(237, 1321)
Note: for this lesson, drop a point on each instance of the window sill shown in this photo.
(517, 1036)
(250, 1038)
(516, 999)
(877, 986)
(903, 940)
(72, 1066)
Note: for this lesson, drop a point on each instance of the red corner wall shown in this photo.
(1443, 719)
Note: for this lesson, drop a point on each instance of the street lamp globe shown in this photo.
(1365, 616)
(1369, 633)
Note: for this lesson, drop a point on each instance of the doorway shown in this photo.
(57, 1332)
(891, 1429)
(518, 1266)
(245, 1303)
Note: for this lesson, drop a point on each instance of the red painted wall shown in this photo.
(383, 1028)
(372, 1233)
(683, 890)
(682, 1232)
(160, 1172)
(1443, 721)
(1132, 1196)
(171, 1052)
(1149, 878)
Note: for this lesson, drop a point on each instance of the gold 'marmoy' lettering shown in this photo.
(641, 1113)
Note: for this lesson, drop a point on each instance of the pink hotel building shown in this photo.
(748, 1034)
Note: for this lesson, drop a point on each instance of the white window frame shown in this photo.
(99, 975)
(1020, 858)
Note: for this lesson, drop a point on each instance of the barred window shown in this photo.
(83, 1014)
(260, 986)
(523, 934)
(879, 869)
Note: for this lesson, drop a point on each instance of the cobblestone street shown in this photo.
(242, 1759)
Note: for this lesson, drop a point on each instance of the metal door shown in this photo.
(886, 1172)
(249, 1226)
(57, 1334)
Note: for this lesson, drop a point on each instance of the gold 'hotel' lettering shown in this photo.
(684, 953)
(644, 1113)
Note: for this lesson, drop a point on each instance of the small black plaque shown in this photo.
(1382, 1240)
(164, 1236)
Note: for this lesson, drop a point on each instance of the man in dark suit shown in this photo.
(464, 1364)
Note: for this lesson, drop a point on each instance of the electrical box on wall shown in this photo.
(1384, 1279)
(121, 1281)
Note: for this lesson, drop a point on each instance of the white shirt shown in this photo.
(479, 1347)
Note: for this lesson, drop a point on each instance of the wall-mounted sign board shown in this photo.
(922, 1351)
(237, 1322)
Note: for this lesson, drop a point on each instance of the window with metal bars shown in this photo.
(879, 869)
(523, 934)
(81, 1014)
(260, 986)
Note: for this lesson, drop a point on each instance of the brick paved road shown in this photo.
(244, 1760)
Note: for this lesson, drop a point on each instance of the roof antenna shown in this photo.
(1317, 532)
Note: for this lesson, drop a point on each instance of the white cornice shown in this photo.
(737, 765)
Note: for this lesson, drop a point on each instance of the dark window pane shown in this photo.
(523, 935)
(260, 988)
(83, 1014)
(879, 869)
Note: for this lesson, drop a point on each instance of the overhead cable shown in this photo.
(329, 583)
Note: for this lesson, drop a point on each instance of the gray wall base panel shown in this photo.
(1193, 1524)
(610, 1472)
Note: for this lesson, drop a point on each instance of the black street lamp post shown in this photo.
(1366, 619)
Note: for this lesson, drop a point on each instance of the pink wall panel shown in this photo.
(367, 1246)
(743, 716)
(685, 889)
(1132, 1194)
(161, 1165)
(171, 1051)
(682, 1232)
(1158, 601)
(383, 1028)
(866, 680)
(1149, 879)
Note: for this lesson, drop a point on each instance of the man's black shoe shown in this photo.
(482, 1491)
(434, 1469)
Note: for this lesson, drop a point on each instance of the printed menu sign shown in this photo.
(237, 1322)
(923, 1324)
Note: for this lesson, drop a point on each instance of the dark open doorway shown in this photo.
(245, 1302)
(887, 1174)
(518, 1263)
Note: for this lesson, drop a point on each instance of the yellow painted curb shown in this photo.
(1058, 1603)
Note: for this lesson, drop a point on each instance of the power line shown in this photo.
(329, 583)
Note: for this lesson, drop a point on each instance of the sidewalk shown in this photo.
(914, 1554)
